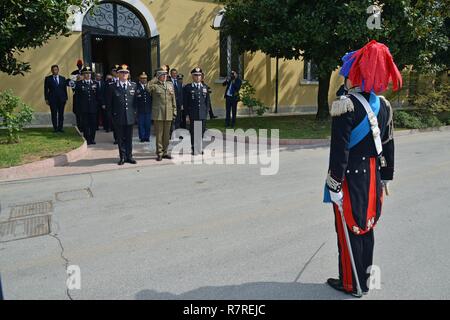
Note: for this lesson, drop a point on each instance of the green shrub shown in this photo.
(431, 120)
(14, 115)
(403, 119)
(247, 96)
(416, 119)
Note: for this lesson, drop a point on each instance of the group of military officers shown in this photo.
(121, 102)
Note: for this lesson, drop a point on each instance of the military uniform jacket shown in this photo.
(87, 96)
(196, 101)
(143, 100)
(358, 171)
(120, 103)
(164, 105)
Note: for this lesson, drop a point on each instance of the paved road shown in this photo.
(226, 232)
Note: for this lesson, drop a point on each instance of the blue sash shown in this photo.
(357, 134)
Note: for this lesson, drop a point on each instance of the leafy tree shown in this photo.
(28, 24)
(324, 30)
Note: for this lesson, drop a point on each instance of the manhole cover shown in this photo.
(20, 211)
(74, 195)
(25, 228)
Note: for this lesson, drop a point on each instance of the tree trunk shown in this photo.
(276, 85)
(323, 111)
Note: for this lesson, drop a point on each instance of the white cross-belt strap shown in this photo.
(373, 122)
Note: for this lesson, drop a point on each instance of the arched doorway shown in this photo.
(115, 33)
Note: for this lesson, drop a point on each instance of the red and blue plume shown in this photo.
(347, 62)
(372, 68)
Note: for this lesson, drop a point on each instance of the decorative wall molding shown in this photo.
(76, 14)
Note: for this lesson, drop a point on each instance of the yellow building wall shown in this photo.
(187, 40)
(63, 51)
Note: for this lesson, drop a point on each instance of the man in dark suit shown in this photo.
(143, 102)
(197, 102)
(233, 84)
(101, 107)
(55, 93)
(121, 105)
(87, 103)
(180, 120)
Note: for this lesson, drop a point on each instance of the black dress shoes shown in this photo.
(121, 162)
(337, 285)
(167, 157)
(115, 142)
(131, 160)
(159, 158)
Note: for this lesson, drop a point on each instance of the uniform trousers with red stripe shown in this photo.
(362, 248)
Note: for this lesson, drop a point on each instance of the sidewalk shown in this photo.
(103, 156)
(100, 157)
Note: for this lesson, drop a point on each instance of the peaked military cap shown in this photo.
(197, 71)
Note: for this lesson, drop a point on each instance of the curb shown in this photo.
(326, 142)
(281, 142)
(425, 130)
(57, 161)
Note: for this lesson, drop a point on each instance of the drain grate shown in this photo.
(25, 228)
(30, 209)
(74, 195)
(26, 221)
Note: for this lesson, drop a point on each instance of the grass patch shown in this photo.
(37, 144)
(291, 127)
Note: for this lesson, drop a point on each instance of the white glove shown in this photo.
(336, 197)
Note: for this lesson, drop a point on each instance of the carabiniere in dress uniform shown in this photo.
(361, 161)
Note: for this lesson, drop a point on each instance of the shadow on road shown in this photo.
(253, 291)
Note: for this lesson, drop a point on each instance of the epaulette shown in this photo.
(341, 106)
(390, 122)
(386, 101)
